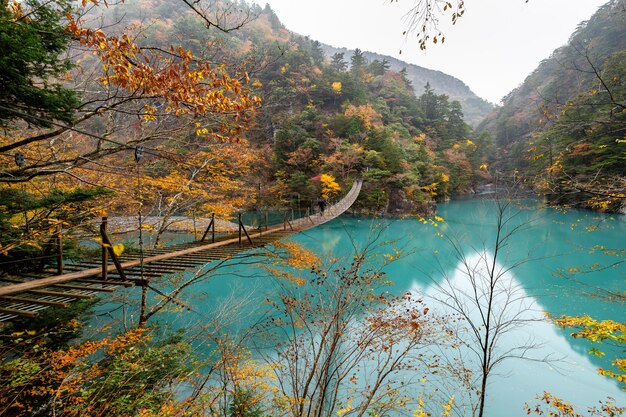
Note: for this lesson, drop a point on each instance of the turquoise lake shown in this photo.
(568, 262)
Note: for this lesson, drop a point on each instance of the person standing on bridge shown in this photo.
(321, 202)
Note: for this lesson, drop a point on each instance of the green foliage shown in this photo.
(561, 130)
(583, 155)
(136, 377)
(319, 111)
(118, 375)
(24, 346)
(32, 41)
(27, 221)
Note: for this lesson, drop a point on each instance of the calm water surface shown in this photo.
(548, 242)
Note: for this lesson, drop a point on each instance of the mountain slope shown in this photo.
(569, 71)
(564, 128)
(475, 109)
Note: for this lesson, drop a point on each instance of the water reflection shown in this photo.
(551, 363)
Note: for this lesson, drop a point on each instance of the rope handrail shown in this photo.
(196, 252)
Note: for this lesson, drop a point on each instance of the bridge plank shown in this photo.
(297, 225)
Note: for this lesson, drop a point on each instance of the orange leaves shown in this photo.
(296, 256)
(553, 406)
(370, 117)
(60, 375)
(187, 85)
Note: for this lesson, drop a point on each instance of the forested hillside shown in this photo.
(332, 118)
(475, 109)
(564, 127)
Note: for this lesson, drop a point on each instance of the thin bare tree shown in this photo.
(490, 303)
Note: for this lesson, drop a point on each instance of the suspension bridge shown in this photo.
(26, 294)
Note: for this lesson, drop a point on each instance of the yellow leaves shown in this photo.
(15, 8)
(118, 249)
(148, 113)
(368, 115)
(431, 189)
(419, 411)
(330, 187)
(445, 177)
(284, 68)
(24, 333)
(392, 256)
(596, 352)
(483, 166)
(598, 332)
(345, 410)
(432, 221)
(447, 408)
(284, 275)
(557, 166)
(420, 138)
(336, 86)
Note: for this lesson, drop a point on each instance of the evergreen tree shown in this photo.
(337, 62)
(378, 67)
(358, 63)
(317, 53)
(32, 41)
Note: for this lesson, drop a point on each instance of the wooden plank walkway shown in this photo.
(26, 295)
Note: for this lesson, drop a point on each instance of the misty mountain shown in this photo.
(570, 71)
(475, 109)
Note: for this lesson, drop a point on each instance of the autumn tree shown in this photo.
(323, 333)
(131, 95)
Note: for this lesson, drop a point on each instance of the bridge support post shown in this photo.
(240, 226)
(107, 249)
(210, 227)
(105, 257)
(59, 245)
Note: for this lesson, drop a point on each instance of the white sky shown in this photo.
(492, 48)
